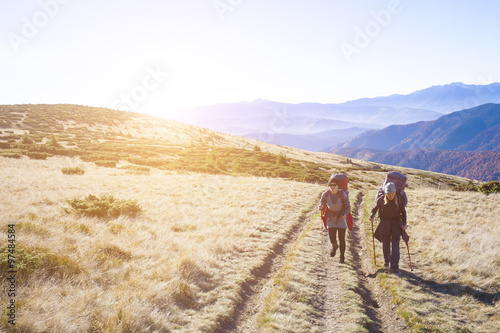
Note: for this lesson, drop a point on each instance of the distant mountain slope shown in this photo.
(445, 98)
(294, 123)
(481, 165)
(312, 142)
(262, 113)
(474, 129)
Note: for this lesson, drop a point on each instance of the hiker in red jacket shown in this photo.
(392, 225)
(338, 206)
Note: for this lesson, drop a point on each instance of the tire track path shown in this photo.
(377, 302)
(256, 290)
(333, 313)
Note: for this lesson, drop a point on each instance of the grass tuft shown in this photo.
(38, 261)
(73, 171)
(105, 207)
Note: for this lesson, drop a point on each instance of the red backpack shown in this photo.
(343, 186)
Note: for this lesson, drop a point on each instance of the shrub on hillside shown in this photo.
(151, 162)
(470, 186)
(92, 157)
(38, 156)
(54, 142)
(281, 159)
(44, 148)
(490, 187)
(107, 164)
(486, 188)
(105, 207)
(73, 171)
(26, 140)
(11, 154)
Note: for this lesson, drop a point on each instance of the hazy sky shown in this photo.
(153, 56)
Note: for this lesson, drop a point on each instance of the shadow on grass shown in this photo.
(451, 289)
(374, 275)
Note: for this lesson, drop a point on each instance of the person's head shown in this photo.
(333, 185)
(390, 191)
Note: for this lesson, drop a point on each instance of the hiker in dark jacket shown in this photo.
(392, 224)
(339, 206)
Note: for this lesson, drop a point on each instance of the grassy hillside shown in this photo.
(108, 137)
(137, 224)
(481, 165)
(138, 142)
(179, 263)
(455, 285)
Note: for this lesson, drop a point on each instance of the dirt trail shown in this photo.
(377, 303)
(332, 318)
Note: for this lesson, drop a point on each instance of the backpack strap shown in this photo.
(328, 194)
(342, 198)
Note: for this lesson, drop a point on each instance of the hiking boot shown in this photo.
(396, 272)
(334, 250)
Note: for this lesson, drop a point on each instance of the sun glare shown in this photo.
(164, 88)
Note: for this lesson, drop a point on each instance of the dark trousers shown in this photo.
(388, 241)
(332, 232)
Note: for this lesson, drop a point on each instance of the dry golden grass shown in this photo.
(178, 266)
(289, 305)
(455, 252)
(459, 233)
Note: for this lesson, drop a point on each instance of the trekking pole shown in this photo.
(373, 241)
(349, 225)
(408, 248)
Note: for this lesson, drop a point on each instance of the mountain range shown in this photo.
(306, 126)
(475, 129)
(464, 143)
(480, 165)
(311, 126)
(407, 130)
(445, 98)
